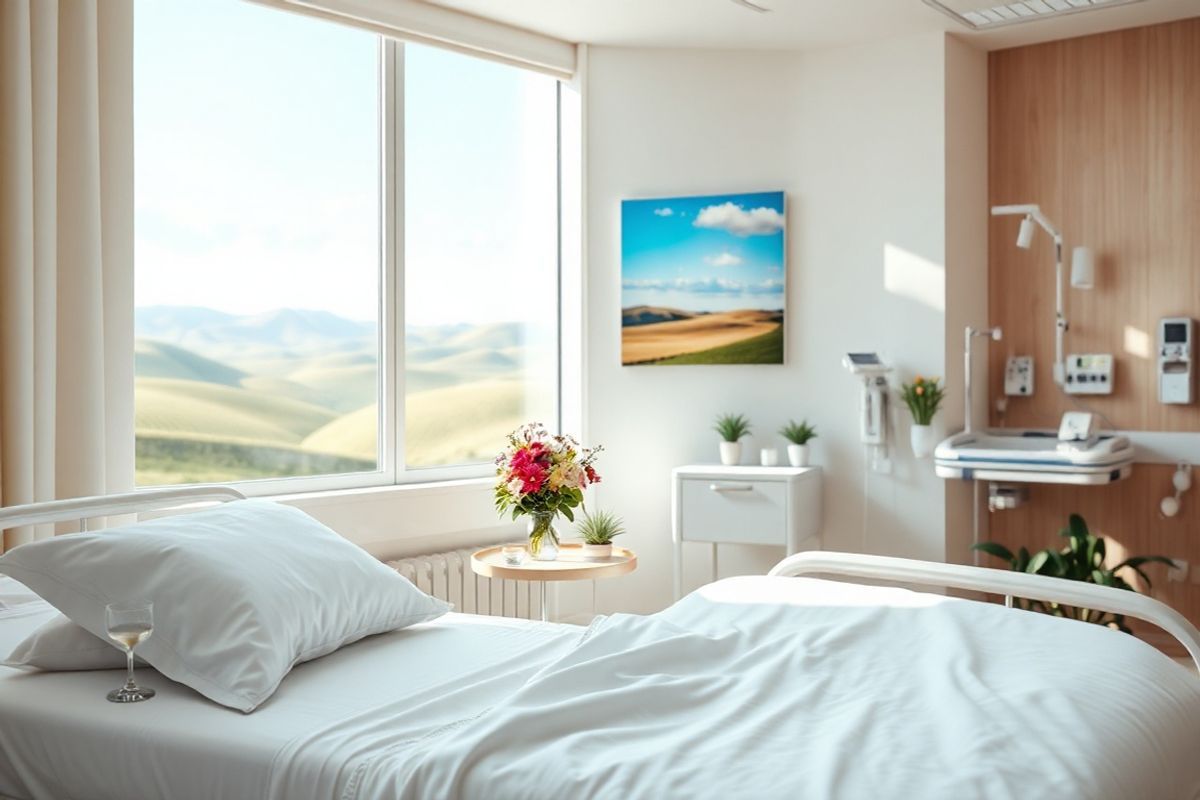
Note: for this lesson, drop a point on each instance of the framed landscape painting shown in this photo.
(702, 279)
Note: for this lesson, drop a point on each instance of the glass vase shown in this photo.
(543, 539)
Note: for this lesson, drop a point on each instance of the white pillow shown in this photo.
(61, 645)
(242, 592)
(13, 593)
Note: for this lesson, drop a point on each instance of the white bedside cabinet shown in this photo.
(744, 505)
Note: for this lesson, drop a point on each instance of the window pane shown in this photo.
(257, 243)
(481, 255)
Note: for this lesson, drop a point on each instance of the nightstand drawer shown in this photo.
(733, 511)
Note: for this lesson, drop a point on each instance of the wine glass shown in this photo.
(129, 624)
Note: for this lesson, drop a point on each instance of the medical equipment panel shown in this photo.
(1089, 373)
(1175, 344)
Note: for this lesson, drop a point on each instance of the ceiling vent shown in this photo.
(979, 17)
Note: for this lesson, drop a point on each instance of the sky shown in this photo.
(714, 253)
(257, 177)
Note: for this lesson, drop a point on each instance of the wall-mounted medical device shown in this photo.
(1018, 376)
(1089, 373)
(1083, 270)
(873, 407)
(1175, 354)
(1078, 429)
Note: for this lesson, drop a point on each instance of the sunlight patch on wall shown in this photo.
(909, 275)
(1137, 342)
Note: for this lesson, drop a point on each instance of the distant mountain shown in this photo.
(648, 315)
(206, 330)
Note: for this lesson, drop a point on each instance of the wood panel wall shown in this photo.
(1104, 133)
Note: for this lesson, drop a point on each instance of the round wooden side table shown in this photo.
(571, 565)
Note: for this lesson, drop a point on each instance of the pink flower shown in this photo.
(526, 466)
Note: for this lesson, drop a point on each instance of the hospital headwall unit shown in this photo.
(1095, 132)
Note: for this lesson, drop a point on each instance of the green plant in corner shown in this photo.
(923, 398)
(798, 433)
(1082, 559)
(600, 527)
(731, 427)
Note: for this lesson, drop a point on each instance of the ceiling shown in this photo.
(791, 25)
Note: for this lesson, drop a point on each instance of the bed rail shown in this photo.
(81, 509)
(995, 581)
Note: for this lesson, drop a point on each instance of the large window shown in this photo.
(346, 251)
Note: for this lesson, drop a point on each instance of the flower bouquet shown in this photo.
(542, 475)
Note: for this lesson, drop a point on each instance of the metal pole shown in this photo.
(545, 615)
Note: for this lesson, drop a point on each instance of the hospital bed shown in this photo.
(785, 685)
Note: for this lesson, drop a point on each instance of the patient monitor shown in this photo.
(873, 418)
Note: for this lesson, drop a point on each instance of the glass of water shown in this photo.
(514, 554)
(129, 624)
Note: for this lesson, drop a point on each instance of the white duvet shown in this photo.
(800, 688)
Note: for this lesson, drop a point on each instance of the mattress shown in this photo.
(59, 737)
(749, 687)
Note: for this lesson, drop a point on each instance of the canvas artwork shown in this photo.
(702, 279)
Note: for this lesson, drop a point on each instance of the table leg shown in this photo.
(545, 613)
(714, 572)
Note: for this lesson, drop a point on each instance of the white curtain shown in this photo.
(66, 251)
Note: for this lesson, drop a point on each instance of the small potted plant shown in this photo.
(923, 398)
(798, 436)
(597, 531)
(731, 427)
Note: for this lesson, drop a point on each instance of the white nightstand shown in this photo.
(744, 505)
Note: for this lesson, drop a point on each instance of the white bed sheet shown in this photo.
(59, 737)
(794, 687)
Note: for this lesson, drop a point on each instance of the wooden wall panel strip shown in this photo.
(1103, 132)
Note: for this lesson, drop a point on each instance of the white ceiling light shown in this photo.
(976, 16)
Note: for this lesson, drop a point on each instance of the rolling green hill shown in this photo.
(168, 406)
(160, 360)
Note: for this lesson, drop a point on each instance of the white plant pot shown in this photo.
(597, 551)
(731, 453)
(922, 439)
(798, 455)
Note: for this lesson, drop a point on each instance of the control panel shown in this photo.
(1018, 376)
(1175, 335)
(1089, 373)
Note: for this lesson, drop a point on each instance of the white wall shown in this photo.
(966, 266)
(857, 139)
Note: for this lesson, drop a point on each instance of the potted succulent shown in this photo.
(1082, 559)
(798, 436)
(731, 427)
(923, 398)
(597, 531)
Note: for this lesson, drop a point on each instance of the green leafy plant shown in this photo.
(600, 527)
(1082, 559)
(798, 433)
(731, 427)
(923, 398)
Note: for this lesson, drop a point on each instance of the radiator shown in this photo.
(448, 576)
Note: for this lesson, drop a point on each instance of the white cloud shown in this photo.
(725, 259)
(734, 219)
(664, 212)
(706, 286)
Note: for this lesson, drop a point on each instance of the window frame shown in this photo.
(390, 376)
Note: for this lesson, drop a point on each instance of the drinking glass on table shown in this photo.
(129, 624)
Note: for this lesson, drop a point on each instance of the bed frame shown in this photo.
(84, 509)
(995, 581)
(814, 562)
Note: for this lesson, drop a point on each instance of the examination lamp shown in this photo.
(1083, 269)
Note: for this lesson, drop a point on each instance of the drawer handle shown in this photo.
(715, 487)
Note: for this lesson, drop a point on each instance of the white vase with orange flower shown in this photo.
(923, 397)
